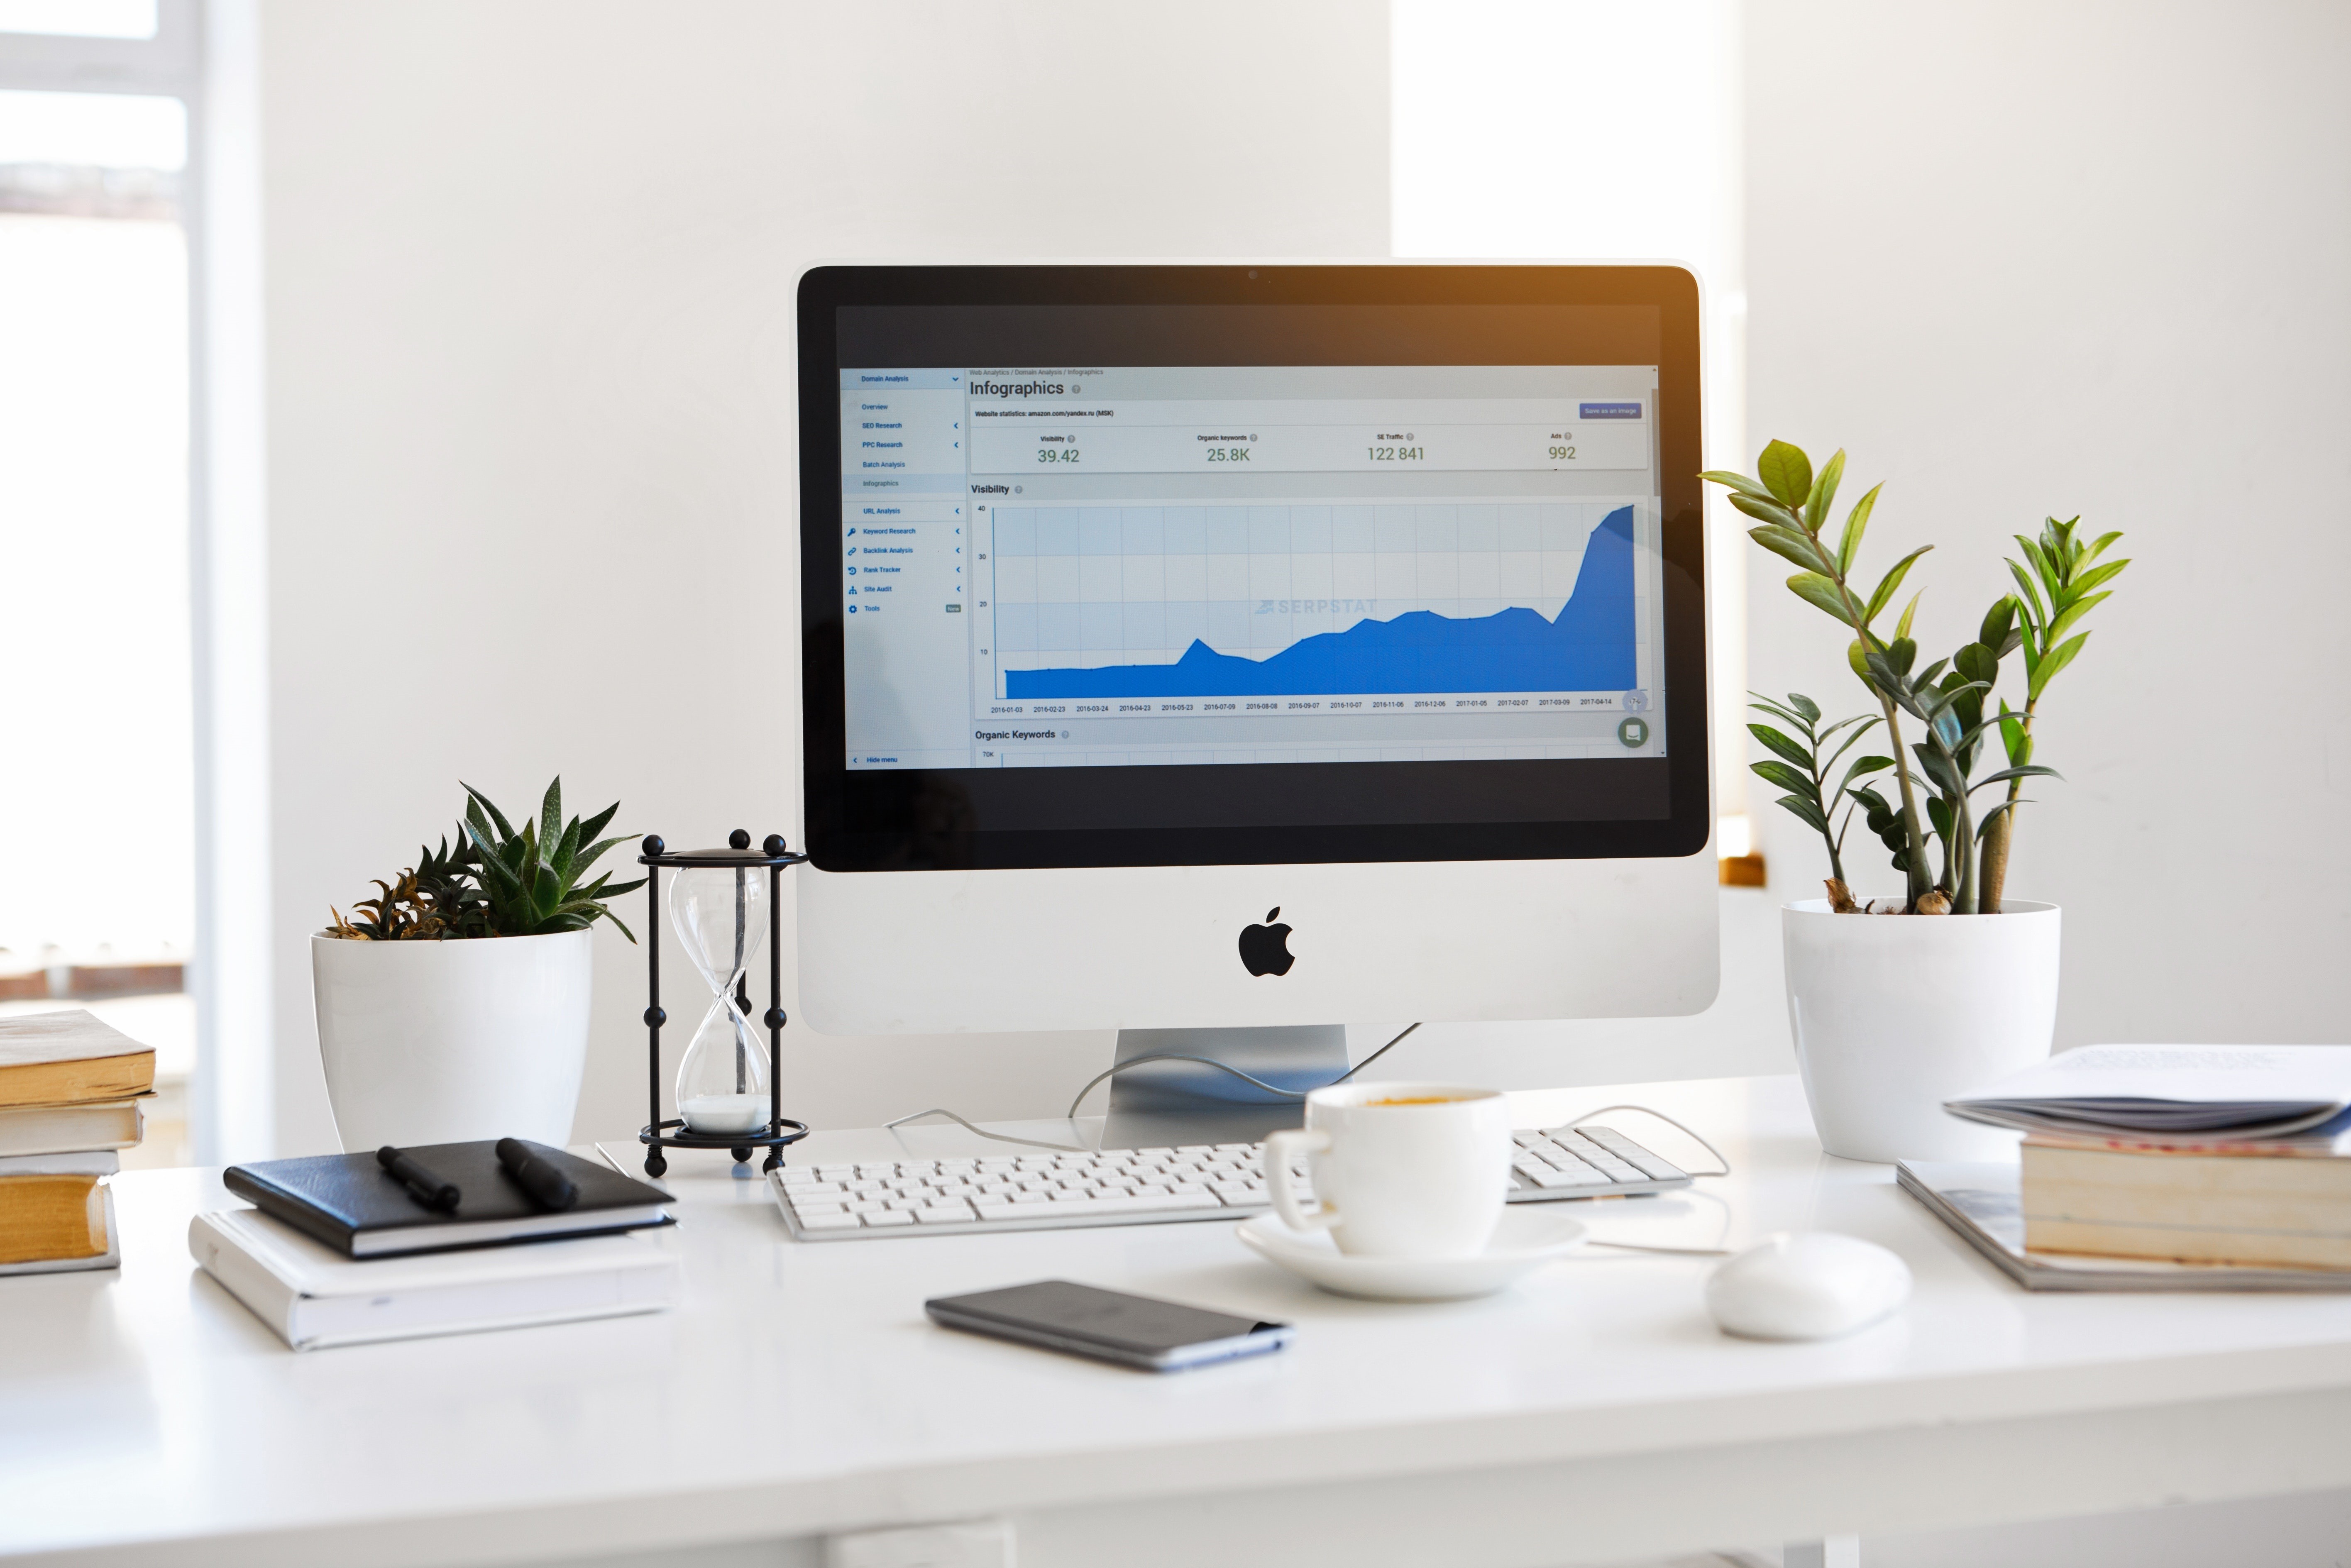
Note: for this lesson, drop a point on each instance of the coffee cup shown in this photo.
(1400, 1170)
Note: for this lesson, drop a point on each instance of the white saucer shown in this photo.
(1526, 1239)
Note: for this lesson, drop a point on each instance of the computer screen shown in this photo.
(1108, 566)
(1242, 566)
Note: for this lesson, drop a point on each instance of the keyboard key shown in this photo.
(830, 1222)
(889, 1217)
(1633, 1154)
(944, 1214)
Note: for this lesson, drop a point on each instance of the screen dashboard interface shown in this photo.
(1118, 566)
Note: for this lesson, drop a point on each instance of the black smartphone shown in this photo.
(1109, 1325)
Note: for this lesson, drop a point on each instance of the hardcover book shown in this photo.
(353, 1204)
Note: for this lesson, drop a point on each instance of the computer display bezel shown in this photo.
(1304, 812)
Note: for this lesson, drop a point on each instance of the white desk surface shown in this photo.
(1590, 1413)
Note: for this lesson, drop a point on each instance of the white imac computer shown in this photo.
(1244, 651)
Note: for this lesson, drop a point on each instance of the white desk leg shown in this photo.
(1830, 1551)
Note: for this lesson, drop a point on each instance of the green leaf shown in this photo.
(2092, 578)
(1805, 810)
(2098, 547)
(2034, 615)
(1805, 706)
(1856, 653)
(1792, 544)
(592, 854)
(1902, 650)
(1909, 614)
(1793, 780)
(1977, 663)
(550, 813)
(566, 848)
(2042, 566)
(1814, 589)
(2074, 612)
(545, 890)
(1786, 472)
(505, 829)
(1823, 492)
(2005, 774)
(1857, 522)
(1883, 595)
(1863, 767)
(1801, 755)
(1999, 626)
(2055, 660)
(1739, 483)
(1767, 510)
(1938, 816)
(595, 824)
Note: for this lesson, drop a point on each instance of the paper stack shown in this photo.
(70, 1091)
(2224, 1156)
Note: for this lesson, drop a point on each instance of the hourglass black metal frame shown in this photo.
(782, 1129)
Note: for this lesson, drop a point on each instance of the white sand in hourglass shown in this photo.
(721, 915)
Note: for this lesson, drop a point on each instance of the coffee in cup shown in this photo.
(1400, 1170)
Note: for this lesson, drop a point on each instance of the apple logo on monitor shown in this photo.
(1265, 949)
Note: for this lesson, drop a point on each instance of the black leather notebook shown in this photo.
(355, 1206)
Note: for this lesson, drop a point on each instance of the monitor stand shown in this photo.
(1164, 1104)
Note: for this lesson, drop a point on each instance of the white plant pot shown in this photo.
(445, 1042)
(1895, 1014)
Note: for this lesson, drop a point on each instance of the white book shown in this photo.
(314, 1297)
(62, 1129)
(82, 1162)
(101, 1211)
(2173, 1093)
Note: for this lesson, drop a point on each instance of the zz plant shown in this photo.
(1954, 858)
(499, 882)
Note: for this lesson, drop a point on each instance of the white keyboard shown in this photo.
(1043, 1191)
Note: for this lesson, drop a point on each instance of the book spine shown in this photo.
(264, 1294)
(281, 1205)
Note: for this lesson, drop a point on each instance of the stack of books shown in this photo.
(69, 1093)
(2214, 1160)
(341, 1249)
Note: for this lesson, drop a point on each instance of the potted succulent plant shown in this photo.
(1891, 1017)
(454, 1005)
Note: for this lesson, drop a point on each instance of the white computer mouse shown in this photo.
(1812, 1284)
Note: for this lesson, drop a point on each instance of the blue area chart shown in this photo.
(1587, 647)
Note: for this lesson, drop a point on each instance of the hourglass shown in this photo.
(722, 904)
(721, 916)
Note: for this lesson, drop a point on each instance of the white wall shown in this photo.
(2022, 260)
(529, 275)
(1539, 130)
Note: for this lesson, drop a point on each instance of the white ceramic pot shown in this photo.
(1895, 1014)
(444, 1042)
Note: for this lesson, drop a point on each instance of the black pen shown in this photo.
(548, 1187)
(423, 1186)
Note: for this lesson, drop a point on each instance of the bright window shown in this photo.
(99, 905)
